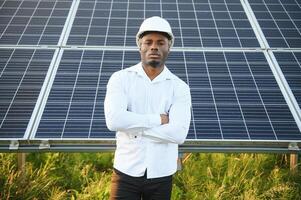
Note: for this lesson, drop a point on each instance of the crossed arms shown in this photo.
(171, 127)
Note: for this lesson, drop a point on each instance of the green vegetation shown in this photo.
(86, 176)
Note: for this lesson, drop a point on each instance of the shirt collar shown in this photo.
(164, 75)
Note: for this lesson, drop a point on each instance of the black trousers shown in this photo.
(126, 187)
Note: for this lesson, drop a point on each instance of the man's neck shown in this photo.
(152, 72)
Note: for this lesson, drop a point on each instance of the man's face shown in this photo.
(154, 49)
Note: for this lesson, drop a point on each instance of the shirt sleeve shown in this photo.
(179, 120)
(118, 118)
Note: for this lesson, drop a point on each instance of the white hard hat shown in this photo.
(156, 24)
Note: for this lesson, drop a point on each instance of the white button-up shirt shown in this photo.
(133, 105)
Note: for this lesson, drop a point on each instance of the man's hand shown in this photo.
(164, 119)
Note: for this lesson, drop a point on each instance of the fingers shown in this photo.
(164, 119)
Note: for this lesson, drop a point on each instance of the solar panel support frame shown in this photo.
(44, 144)
(14, 145)
(173, 49)
(223, 146)
(293, 146)
(253, 146)
(68, 23)
(255, 25)
(42, 99)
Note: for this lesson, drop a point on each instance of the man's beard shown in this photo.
(154, 63)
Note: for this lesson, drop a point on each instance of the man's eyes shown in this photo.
(150, 42)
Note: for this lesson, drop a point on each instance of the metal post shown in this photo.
(21, 162)
(182, 159)
(294, 163)
(179, 167)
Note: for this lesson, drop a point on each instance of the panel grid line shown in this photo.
(16, 91)
(5, 66)
(264, 106)
(91, 19)
(237, 99)
(192, 115)
(179, 20)
(219, 37)
(299, 4)
(213, 96)
(126, 25)
(72, 95)
(144, 8)
(290, 16)
(197, 23)
(109, 20)
(231, 20)
(46, 22)
(11, 19)
(275, 22)
(96, 95)
(26, 26)
(161, 9)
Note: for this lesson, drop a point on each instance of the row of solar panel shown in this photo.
(203, 23)
(234, 94)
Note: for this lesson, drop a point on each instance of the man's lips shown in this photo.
(154, 55)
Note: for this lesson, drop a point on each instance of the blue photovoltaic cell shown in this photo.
(22, 74)
(290, 63)
(280, 21)
(75, 104)
(202, 23)
(32, 22)
(234, 95)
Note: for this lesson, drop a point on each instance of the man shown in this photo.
(149, 107)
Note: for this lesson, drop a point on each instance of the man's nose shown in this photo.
(154, 46)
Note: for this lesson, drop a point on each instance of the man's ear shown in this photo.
(169, 44)
(139, 44)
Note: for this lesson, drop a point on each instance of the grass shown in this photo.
(86, 176)
(237, 176)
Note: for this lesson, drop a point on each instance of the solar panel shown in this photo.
(236, 99)
(280, 21)
(234, 96)
(290, 63)
(22, 74)
(199, 23)
(32, 22)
